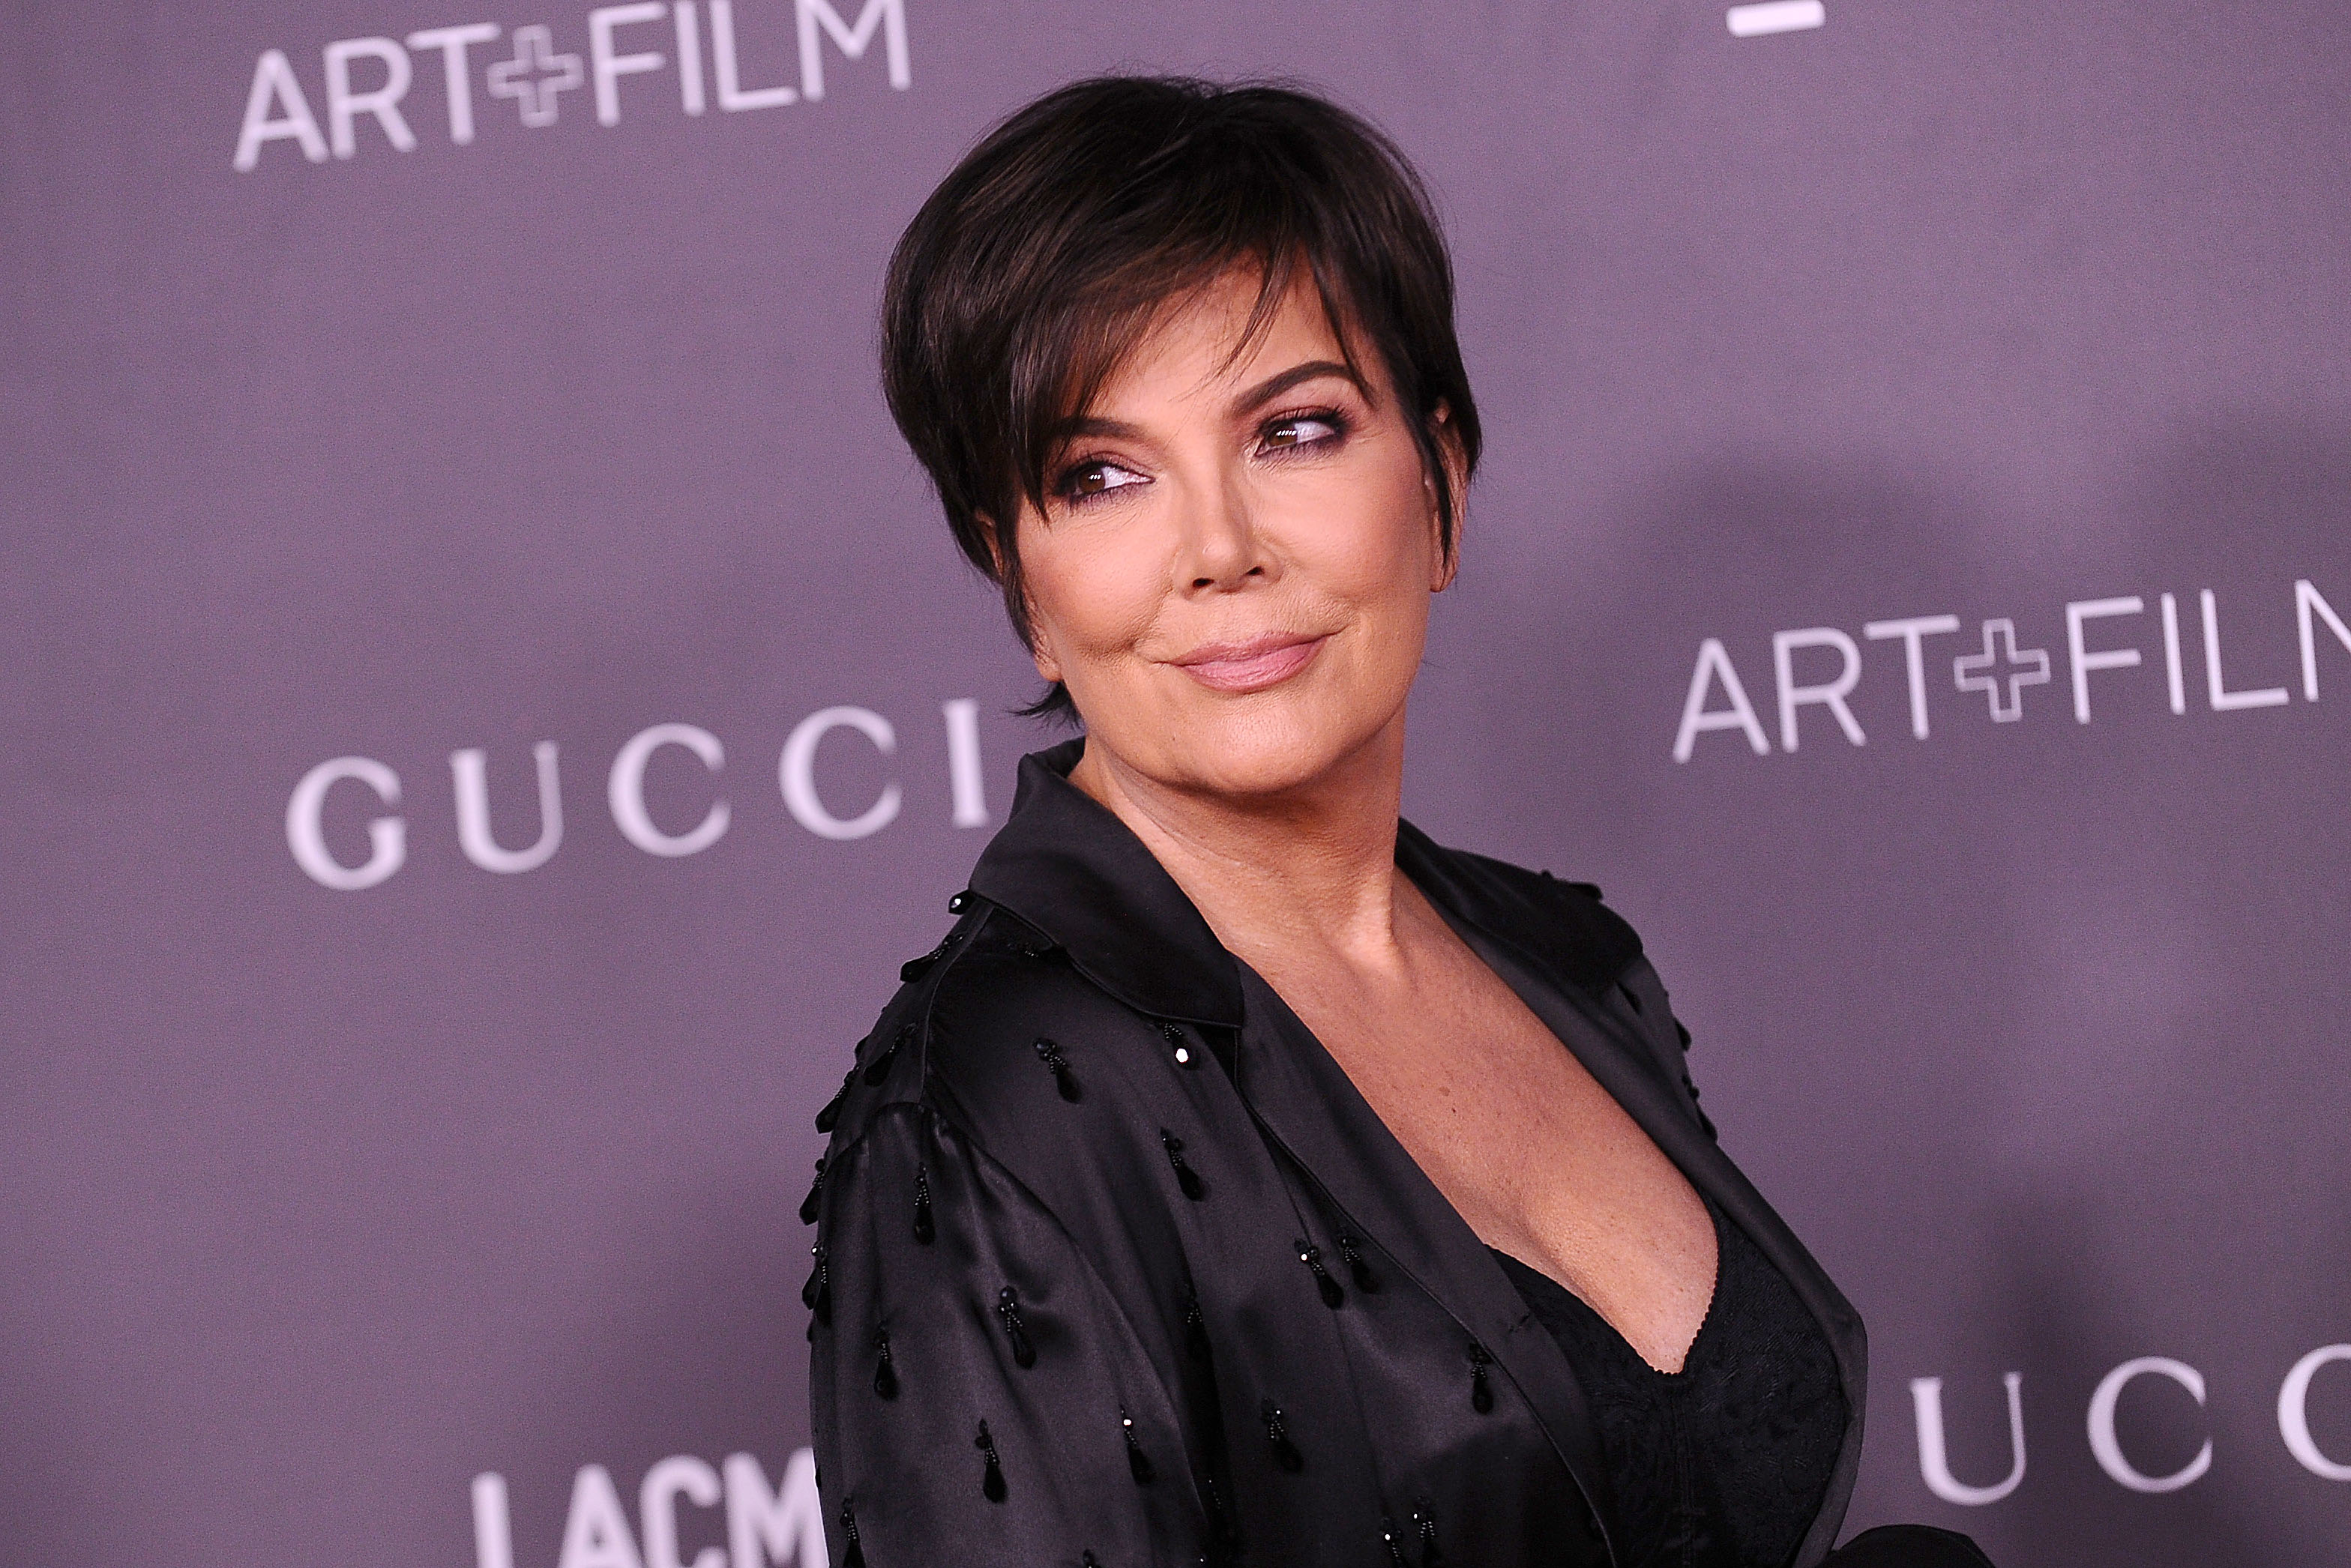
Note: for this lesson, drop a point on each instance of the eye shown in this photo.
(1095, 477)
(1294, 431)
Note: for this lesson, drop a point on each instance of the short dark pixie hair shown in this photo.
(1040, 260)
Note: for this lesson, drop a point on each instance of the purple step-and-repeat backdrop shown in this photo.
(489, 702)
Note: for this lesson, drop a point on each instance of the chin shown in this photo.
(1265, 753)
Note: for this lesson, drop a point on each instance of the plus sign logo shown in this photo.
(534, 75)
(1815, 669)
(1980, 672)
(635, 57)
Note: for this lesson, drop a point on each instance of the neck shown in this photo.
(1313, 865)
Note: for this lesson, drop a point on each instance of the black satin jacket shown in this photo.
(1114, 1266)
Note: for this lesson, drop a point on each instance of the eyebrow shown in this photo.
(1091, 424)
(1274, 386)
(1265, 391)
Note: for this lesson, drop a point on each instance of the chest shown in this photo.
(1536, 1156)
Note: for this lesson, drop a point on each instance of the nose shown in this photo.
(1221, 548)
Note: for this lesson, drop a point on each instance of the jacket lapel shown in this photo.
(1622, 1066)
(1309, 1105)
(1071, 868)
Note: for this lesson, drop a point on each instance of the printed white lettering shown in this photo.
(2175, 684)
(457, 79)
(679, 1475)
(596, 1532)
(344, 106)
(1713, 665)
(1913, 633)
(470, 769)
(966, 782)
(2223, 699)
(493, 1528)
(1830, 695)
(2109, 1449)
(689, 57)
(305, 835)
(371, 77)
(625, 792)
(888, 15)
(766, 1526)
(275, 86)
(796, 772)
(731, 95)
(2294, 1414)
(2308, 602)
(606, 68)
(1934, 1458)
(2085, 660)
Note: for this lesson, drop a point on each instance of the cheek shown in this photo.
(1093, 592)
(1374, 540)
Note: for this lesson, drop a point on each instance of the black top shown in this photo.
(1113, 1265)
(1722, 1464)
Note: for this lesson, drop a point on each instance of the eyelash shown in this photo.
(1065, 486)
(1338, 421)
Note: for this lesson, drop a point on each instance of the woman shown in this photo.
(1244, 1176)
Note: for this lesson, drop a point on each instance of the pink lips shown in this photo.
(1251, 666)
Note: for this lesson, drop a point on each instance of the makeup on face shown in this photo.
(1249, 666)
(1232, 567)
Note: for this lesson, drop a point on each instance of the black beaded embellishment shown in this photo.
(1007, 1308)
(879, 1067)
(1186, 1177)
(829, 1117)
(1184, 1055)
(991, 1482)
(1481, 1393)
(1138, 1463)
(913, 969)
(886, 1369)
(816, 1294)
(1358, 1269)
(1063, 1079)
(925, 1232)
(1311, 1255)
(807, 1204)
(1277, 1434)
(854, 1556)
(1394, 1545)
(1424, 1519)
(1196, 1325)
(1220, 1522)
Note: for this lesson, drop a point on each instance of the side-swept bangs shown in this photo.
(1038, 263)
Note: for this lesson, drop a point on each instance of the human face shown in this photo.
(1232, 569)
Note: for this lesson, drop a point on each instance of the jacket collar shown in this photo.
(1069, 867)
(1066, 866)
(1064, 863)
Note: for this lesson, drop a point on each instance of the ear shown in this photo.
(993, 538)
(1031, 635)
(1454, 477)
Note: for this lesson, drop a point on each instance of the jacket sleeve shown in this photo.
(978, 1396)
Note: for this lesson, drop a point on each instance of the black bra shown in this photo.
(1724, 1463)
